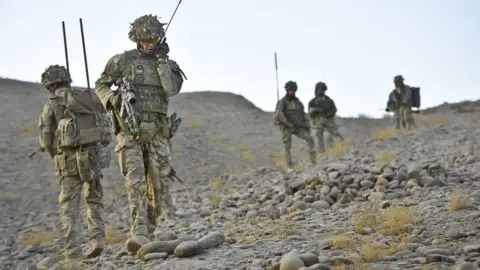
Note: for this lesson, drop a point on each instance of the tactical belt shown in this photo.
(149, 117)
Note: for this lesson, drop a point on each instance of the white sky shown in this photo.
(356, 47)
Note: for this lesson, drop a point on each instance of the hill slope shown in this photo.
(229, 153)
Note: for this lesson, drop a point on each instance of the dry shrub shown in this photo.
(214, 200)
(393, 221)
(374, 251)
(39, 238)
(387, 116)
(436, 120)
(30, 129)
(459, 201)
(221, 184)
(384, 134)
(114, 236)
(339, 149)
(342, 241)
(388, 157)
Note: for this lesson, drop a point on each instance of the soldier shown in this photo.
(145, 160)
(400, 102)
(76, 160)
(292, 119)
(321, 112)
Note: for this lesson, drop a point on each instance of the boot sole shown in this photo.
(95, 252)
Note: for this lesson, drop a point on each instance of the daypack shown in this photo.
(415, 97)
(84, 120)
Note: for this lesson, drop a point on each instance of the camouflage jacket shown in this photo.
(121, 65)
(290, 113)
(48, 121)
(322, 106)
(397, 99)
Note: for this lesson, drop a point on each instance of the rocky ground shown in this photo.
(380, 200)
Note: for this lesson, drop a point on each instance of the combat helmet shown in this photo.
(398, 78)
(55, 74)
(321, 85)
(291, 85)
(147, 27)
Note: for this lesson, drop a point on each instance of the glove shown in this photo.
(116, 101)
(163, 49)
(387, 110)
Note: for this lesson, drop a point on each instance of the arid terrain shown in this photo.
(380, 200)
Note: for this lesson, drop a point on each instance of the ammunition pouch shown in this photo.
(65, 164)
(87, 164)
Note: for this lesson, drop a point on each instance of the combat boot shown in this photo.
(136, 242)
(96, 248)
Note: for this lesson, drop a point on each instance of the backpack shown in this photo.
(84, 120)
(415, 97)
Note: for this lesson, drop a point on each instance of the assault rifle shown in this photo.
(127, 111)
(174, 124)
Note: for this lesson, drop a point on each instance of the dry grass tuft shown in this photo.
(393, 221)
(207, 168)
(436, 120)
(374, 251)
(339, 149)
(384, 134)
(388, 157)
(9, 197)
(247, 156)
(114, 236)
(259, 229)
(30, 129)
(458, 201)
(191, 124)
(214, 200)
(342, 242)
(39, 238)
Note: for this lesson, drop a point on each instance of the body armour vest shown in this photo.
(149, 92)
(294, 111)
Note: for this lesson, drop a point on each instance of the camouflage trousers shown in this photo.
(301, 133)
(403, 117)
(145, 163)
(71, 186)
(319, 125)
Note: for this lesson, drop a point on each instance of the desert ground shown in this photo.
(380, 200)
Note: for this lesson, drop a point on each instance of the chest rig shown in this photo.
(144, 77)
(293, 110)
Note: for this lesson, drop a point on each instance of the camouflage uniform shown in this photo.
(71, 184)
(400, 102)
(291, 118)
(144, 161)
(321, 112)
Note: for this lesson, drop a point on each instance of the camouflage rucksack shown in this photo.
(84, 120)
(416, 97)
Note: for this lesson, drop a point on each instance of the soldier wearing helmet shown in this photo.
(56, 80)
(321, 112)
(292, 119)
(156, 78)
(400, 103)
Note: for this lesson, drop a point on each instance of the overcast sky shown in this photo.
(355, 46)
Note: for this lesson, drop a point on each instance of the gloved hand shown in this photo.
(116, 101)
(163, 49)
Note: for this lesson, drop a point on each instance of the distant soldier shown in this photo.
(321, 112)
(74, 131)
(400, 102)
(292, 119)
